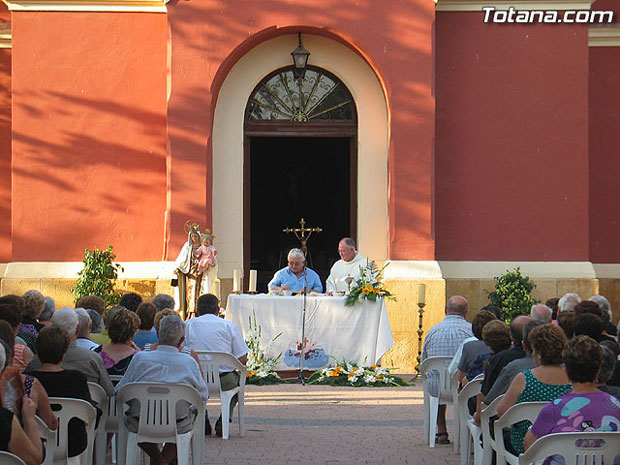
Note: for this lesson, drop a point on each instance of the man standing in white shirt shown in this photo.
(211, 333)
(348, 266)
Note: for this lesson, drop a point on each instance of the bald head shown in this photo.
(541, 312)
(516, 328)
(457, 305)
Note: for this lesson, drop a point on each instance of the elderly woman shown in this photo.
(52, 345)
(22, 355)
(34, 302)
(585, 408)
(544, 383)
(45, 318)
(146, 332)
(23, 442)
(121, 330)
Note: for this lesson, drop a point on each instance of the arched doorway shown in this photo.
(300, 161)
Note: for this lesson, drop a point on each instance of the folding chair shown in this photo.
(592, 448)
(468, 430)
(6, 458)
(71, 408)
(157, 420)
(488, 442)
(210, 362)
(516, 413)
(444, 395)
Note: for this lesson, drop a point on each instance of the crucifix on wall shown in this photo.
(302, 234)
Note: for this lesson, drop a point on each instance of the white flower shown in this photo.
(368, 379)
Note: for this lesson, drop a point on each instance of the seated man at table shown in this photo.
(348, 266)
(211, 333)
(292, 277)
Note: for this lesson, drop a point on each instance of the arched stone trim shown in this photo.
(373, 137)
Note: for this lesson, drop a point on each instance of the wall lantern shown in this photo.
(300, 59)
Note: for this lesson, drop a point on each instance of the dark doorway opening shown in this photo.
(292, 178)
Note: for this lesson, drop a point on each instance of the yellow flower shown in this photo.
(379, 376)
(373, 367)
(367, 289)
(338, 369)
(333, 373)
(351, 375)
(252, 373)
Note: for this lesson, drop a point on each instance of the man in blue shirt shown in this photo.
(292, 277)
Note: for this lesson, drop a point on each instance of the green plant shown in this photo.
(512, 294)
(98, 276)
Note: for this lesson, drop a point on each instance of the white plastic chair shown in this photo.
(157, 420)
(488, 443)
(455, 401)
(71, 408)
(48, 437)
(101, 444)
(6, 458)
(210, 362)
(431, 403)
(591, 448)
(516, 413)
(468, 430)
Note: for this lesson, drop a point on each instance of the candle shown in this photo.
(217, 289)
(235, 280)
(421, 293)
(253, 275)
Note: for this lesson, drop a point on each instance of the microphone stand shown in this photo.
(303, 330)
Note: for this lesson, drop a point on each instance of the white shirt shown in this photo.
(164, 365)
(86, 343)
(214, 334)
(342, 270)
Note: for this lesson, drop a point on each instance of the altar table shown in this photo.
(359, 334)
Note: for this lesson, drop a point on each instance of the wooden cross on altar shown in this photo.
(300, 234)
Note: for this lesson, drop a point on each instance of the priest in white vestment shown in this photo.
(348, 266)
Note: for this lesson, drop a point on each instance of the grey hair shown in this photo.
(348, 241)
(608, 363)
(604, 305)
(84, 320)
(296, 253)
(66, 319)
(568, 301)
(97, 320)
(171, 330)
(162, 301)
(48, 309)
(2, 357)
(541, 312)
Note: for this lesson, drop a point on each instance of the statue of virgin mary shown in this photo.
(192, 283)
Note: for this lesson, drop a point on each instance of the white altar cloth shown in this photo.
(359, 334)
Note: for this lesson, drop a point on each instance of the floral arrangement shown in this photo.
(260, 366)
(369, 286)
(351, 374)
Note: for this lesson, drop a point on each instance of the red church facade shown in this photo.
(500, 148)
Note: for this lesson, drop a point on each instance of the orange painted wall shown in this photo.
(5, 143)
(89, 134)
(604, 151)
(209, 36)
(511, 141)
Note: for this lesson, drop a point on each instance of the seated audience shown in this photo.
(162, 301)
(608, 364)
(544, 383)
(117, 355)
(83, 339)
(146, 332)
(45, 318)
(91, 302)
(585, 408)
(166, 364)
(52, 346)
(568, 302)
(85, 361)
(30, 327)
(102, 338)
(589, 307)
(566, 321)
(588, 324)
(22, 355)
(471, 350)
(97, 322)
(23, 442)
(130, 301)
(552, 303)
(540, 312)
(605, 307)
(614, 380)
(497, 362)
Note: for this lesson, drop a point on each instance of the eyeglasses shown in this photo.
(295, 263)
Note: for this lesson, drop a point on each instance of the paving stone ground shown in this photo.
(296, 424)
